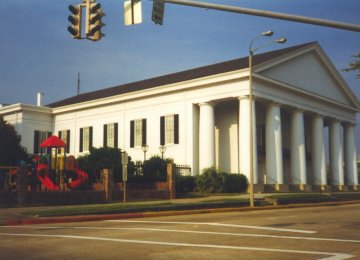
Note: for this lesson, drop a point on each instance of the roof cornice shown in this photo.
(17, 108)
(160, 90)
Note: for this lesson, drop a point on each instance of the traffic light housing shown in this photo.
(94, 23)
(75, 20)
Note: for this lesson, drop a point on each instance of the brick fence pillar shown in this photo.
(171, 180)
(107, 181)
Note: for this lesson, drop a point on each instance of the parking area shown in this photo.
(302, 233)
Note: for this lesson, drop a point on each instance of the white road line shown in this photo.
(290, 216)
(329, 255)
(218, 224)
(194, 232)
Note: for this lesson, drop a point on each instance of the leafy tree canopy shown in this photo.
(355, 65)
(11, 152)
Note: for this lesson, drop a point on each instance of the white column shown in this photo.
(244, 138)
(206, 136)
(350, 155)
(274, 160)
(297, 149)
(318, 151)
(336, 154)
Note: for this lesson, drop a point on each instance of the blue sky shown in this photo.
(38, 54)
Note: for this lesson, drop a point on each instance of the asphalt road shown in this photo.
(300, 233)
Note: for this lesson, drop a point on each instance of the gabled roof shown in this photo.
(195, 73)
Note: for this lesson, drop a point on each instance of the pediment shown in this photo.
(310, 72)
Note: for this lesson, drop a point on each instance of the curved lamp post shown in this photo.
(251, 53)
(162, 149)
(145, 148)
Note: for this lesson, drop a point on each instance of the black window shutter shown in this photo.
(176, 128)
(105, 136)
(162, 130)
(143, 131)
(81, 140)
(68, 141)
(48, 150)
(90, 137)
(132, 128)
(59, 135)
(116, 135)
(36, 141)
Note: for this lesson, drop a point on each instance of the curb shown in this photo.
(84, 218)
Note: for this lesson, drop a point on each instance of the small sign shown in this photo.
(132, 12)
(158, 11)
(124, 162)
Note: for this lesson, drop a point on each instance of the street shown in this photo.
(299, 233)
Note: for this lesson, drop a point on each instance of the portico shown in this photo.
(295, 151)
(303, 121)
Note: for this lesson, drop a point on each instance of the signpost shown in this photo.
(158, 11)
(124, 163)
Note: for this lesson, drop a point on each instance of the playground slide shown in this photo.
(42, 174)
(80, 178)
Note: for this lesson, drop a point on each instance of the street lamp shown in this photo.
(145, 148)
(251, 53)
(162, 149)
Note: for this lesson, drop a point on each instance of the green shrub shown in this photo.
(209, 181)
(154, 169)
(212, 181)
(185, 184)
(234, 182)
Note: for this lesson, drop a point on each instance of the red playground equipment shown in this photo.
(79, 177)
(42, 173)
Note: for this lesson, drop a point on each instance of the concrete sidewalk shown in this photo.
(23, 216)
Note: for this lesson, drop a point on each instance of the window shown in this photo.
(39, 137)
(137, 132)
(64, 135)
(260, 139)
(111, 135)
(86, 135)
(169, 129)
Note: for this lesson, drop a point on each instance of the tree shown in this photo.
(154, 169)
(11, 152)
(355, 65)
(104, 157)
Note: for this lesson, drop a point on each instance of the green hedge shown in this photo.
(234, 182)
(212, 181)
(185, 184)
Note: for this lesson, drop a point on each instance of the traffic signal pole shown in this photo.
(275, 15)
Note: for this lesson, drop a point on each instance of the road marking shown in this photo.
(329, 255)
(194, 232)
(290, 216)
(217, 224)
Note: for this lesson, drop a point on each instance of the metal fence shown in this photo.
(8, 176)
(183, 170)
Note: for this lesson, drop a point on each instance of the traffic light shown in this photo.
(94, 23)
(75, 20)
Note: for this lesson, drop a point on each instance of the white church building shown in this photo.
(304, 119)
